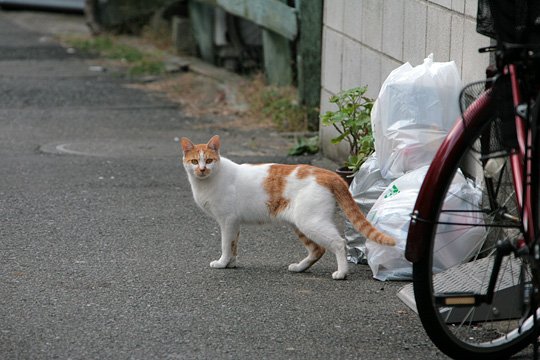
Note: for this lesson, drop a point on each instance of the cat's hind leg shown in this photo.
(230, 234)
(325, 234)
(314, 253)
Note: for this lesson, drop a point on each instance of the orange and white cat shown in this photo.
(302, 195)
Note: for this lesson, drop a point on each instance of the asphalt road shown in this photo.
(104, 255)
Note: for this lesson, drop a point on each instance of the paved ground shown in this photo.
(103, 254)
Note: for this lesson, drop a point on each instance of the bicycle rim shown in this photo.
(478, 209)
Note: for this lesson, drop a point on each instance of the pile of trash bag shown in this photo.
(415, 109)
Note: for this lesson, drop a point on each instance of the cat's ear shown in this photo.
(187, 145)
(214, 143)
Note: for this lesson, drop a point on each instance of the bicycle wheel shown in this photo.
(473, 218)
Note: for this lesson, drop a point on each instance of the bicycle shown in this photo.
(487, 306)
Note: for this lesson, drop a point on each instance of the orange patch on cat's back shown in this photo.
(304, 171)
(326, 178)
(275, 184)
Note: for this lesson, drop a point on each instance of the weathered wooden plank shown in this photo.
(202, 20)
(277, 59)
(270, 14)
(308, 59)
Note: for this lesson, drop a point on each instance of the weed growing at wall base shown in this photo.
(138, 62)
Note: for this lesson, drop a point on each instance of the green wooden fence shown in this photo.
(282, 25)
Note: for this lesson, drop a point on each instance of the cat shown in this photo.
(302, 195)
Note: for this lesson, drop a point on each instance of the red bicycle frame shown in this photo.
(522, 159)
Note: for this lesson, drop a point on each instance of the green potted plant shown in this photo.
(352, 120)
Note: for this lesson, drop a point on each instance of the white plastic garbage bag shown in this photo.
(366, 187)
(391, 213)
(415, 109)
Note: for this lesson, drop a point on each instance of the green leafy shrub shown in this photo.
(352, 120)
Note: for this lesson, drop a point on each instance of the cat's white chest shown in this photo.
(204, 201)
(214, 199)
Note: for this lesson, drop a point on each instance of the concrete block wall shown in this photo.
(364, 40)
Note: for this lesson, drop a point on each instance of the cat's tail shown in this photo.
(357, 218)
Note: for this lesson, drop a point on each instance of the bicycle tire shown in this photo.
(488, 331)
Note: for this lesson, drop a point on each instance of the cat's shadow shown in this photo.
(272, 272)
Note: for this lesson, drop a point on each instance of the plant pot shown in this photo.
(346, 174)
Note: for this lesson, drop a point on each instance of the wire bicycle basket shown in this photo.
(502, 131)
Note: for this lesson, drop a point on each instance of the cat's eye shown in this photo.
(194, 162)
(209, 161)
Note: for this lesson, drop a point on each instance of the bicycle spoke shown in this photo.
(473, 307)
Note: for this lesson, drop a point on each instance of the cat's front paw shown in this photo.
(222, 263)
(296, 268)
(339, 275)
(218, 264)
